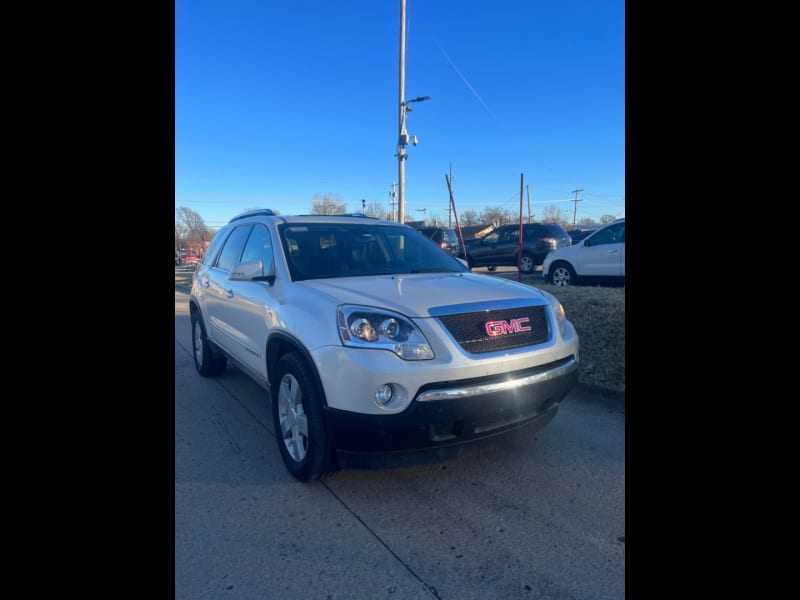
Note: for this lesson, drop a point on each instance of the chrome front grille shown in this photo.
(496, 330)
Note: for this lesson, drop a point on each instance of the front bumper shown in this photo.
(445, 416)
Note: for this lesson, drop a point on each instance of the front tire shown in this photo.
(207, 360)
(298, 420)
(563, 275)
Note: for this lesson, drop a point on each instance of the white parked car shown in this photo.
(378, 348)
(598, 258)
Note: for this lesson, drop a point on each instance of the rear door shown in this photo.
(218, 293)
(603, 254)
(251, 305)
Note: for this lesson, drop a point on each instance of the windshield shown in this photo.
(449, 235)
(322, 250)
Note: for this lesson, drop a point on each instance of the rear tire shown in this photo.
(207, 360)
(563, 275)
(298, 419)
(526, 263)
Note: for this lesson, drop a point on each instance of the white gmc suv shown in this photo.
(378, 348)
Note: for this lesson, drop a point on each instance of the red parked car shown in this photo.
(187, 258)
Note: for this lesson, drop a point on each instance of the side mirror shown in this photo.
(253, 270)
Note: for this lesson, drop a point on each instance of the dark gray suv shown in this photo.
(445, 237)
(501, 246)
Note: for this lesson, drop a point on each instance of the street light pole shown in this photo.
(403, 137)
(401, 154)
(402, 142)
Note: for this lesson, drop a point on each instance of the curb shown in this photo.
(602, 390)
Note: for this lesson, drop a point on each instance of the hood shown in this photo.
(414, 295)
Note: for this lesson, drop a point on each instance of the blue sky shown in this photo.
(276, 102)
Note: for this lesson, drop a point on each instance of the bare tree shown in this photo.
(553, 214)
(328, 204)
(190, 228)
(375, 209)
(178, 233)
(435, 221)
(497, 215)
(468, 218)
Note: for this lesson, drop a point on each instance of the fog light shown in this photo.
(384, 394)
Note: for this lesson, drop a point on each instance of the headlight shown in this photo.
(367, 327)
(558, 310)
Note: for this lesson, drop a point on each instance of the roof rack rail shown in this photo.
(357, 214)
(264, 212)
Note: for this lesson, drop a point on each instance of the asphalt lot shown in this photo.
(537, 515)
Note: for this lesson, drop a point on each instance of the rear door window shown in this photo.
(213, 247)
(613, 234)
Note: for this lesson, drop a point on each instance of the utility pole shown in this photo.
(449, 181)
(401, 169)
(519, 251)
(393, 195)
(575, 212)
(450, 206)
(530, 216)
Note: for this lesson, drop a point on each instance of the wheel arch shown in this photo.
(281, 343)
(194, 310)
(562, 262)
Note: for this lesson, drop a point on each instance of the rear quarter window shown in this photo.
(233, 248)
(213, 248)
(554, 231)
